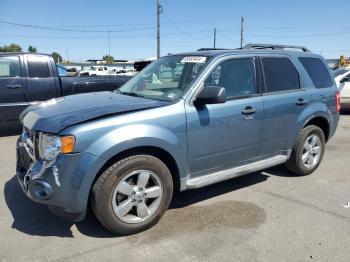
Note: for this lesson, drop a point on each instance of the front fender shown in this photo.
(141, 135)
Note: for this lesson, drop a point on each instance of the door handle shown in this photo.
(14, 86)
(301, 102)
(249, 110)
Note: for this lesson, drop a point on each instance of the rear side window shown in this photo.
(317, 72)
(37, 67)
(280, 75)
(9, 66)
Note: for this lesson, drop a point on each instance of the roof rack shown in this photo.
(275, 47)
(209, 49)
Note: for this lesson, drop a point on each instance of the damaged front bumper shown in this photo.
(63, 184)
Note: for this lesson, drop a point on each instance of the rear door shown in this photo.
(12, 88)
(41, 84)
(285, 97)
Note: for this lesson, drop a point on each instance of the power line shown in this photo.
(73, 30)
(301, 36)
(177, 27)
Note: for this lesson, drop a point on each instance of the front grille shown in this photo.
(30, 139)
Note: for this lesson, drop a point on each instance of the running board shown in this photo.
(212, 178)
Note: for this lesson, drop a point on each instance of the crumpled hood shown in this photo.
(57, 114)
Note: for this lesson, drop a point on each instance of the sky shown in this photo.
(78, 29)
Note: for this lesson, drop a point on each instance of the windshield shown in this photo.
(93, 68)
(166, 78)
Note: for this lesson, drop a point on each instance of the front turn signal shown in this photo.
(67, 144)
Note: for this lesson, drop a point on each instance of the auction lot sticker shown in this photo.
(194, 59)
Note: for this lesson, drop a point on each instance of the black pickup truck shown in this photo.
(28, 78)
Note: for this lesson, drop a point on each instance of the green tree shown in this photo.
(56, 57)
(32, 49)
(108, 59)
(10, 48)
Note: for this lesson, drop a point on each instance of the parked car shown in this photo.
(123, 72)
(342, 79)
(28, 78)
(230, 113)
(95, 71)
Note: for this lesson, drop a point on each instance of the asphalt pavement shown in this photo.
(264, 216)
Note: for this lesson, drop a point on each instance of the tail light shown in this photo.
(337, 102)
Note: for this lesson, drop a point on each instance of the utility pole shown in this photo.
(214, 38)
(158, 28)
(109, 46)
(242, 21)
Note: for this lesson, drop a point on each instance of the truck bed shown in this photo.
(71, 85)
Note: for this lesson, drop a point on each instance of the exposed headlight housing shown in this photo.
(50, 146)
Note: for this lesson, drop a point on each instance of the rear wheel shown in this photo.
(133, 194)
(308, 151)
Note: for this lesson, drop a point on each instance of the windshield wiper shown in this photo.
(129, 93)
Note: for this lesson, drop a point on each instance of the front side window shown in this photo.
(280, 74)
(317, 71)
(166, 78)
(237, 76)
(9, 66)
(37, 67)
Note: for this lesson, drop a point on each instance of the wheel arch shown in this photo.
(154, 151)
(322, 123)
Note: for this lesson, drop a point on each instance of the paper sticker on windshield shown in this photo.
(171, 95)
(194, 59)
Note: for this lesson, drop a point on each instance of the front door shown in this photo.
(222, 135)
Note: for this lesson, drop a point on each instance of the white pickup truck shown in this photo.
(96, 71)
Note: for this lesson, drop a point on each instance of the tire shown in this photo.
(295, 163)
(111, 193)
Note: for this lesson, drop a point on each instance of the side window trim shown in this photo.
(263, 82)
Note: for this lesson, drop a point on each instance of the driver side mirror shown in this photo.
(345, 80)
(211, 95)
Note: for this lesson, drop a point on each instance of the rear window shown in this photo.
(317, 71)
(280, 75)
(37, 67)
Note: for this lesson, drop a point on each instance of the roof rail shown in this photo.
(209, 49)
(274, 47)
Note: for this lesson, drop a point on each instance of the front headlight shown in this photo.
(51, 145)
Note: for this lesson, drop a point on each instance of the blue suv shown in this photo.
(186, 121)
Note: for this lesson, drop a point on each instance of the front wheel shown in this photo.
(308, 151)
(132, 194)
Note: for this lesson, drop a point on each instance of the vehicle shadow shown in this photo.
(35, 219)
